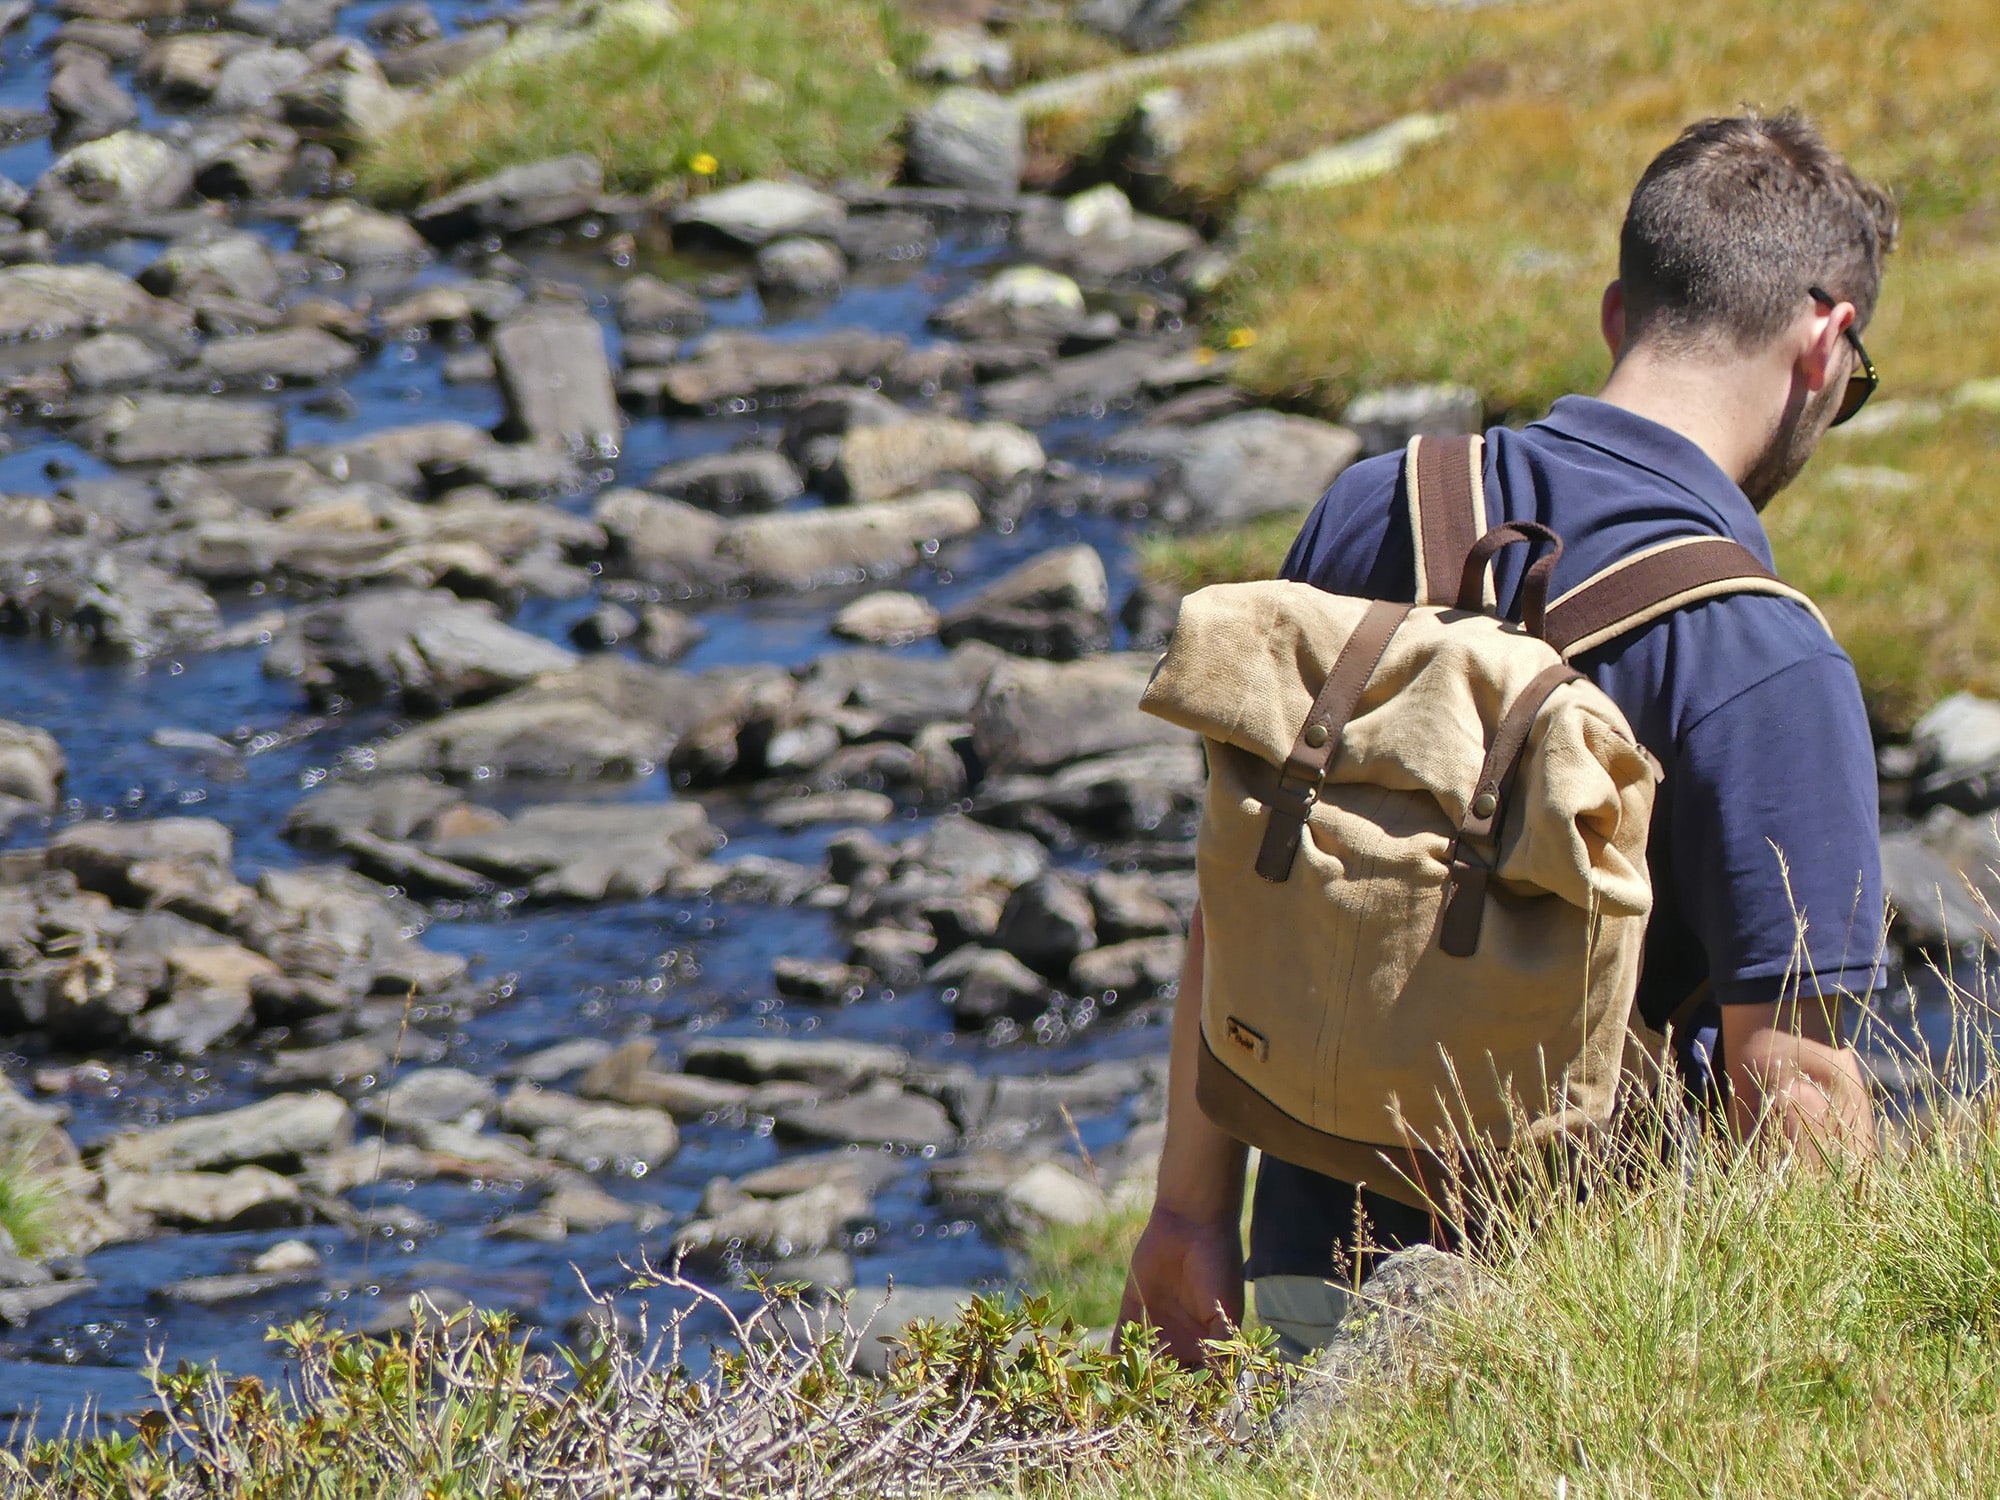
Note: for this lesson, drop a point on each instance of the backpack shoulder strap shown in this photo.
(1445, 479)
(1657, 582)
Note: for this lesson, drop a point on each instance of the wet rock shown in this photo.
(1030, 303)
(609, 1137)
(894, 956)
(516, 199)
(45, 302)
(1940, 885)
(358, 1064)
(628, 1076)
(587, 852)
(391, 807)
(828, 1064)
(882, 1114)
(428, 647)
(751, 479)
(427, 62)
(666, 635)
(1251, 465)
(1144, 793)
(886, 618)
(1055, 605)
(1386, 420)
(800, 1223)
(966, 138)
(662, 541)
(1096, 381)
(821, 981)
(154, 429)
(184, 69)
(830, 807)
(834, 545)
(246, 1198)
(604, 627)
(252, 78)
(893, 237)
(1129, 906)
(208, 998)
(753, 214)
(987, 984)
(231, 264)
(32, 766)
(800, 268)
(1047, 923)
(351, 235)
(879, 462)
(345, 97)
(237, 1286)
(576, 1055)
(1138, 969)
(1957, 746)
(1098, 235)
(731, 364)
(974, 853)
(293, 356)
(103, 182)
(85, 99)
(112, 603)
(19, 1304)
(243, 157)
(1036, 716)
(556, 378)
(279, 1133)
(116, 858)
(647, 304)
(449, 1096)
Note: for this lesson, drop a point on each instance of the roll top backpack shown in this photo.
(1422, 856)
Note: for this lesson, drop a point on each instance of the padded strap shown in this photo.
(1445, 479)
(1319, 738)
(1656, 582)
(1486, 814)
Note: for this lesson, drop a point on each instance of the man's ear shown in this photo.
(1821, 355)
(1611, 318)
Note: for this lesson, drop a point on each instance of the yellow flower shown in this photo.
(702, 164)
(1242, 338)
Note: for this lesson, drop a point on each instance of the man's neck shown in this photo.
(1722, 406)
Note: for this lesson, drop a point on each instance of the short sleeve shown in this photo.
(1776, 836)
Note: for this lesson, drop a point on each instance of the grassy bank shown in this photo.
(740, 89)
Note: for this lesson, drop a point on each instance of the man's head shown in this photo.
(1727, 233)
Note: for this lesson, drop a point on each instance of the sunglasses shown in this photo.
(1862, 379)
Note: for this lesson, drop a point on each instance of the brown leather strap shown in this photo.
(1486, 814)
(1643, 587)
(1534, 588)
(1446, 490)
(1319, 738)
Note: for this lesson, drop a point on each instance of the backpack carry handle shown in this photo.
(1534, 589)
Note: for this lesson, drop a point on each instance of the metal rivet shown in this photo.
(1315, 735)
(1484, 804)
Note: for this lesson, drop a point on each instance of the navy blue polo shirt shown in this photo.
(1765, 842)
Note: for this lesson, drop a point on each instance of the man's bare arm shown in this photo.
(1187, 1272)
(1789, 1073)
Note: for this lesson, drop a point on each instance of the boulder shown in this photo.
(153, 429)
(290, 356)
(972, 853)
(103, 182)
(985, 984)
(111, 857)
(32, 765)
(446, 1096)
(86, 100)
(848, 543)
(230, 264)
(515, 199)
(886, 618)
(114, 361)
(879, 462)
(345, 97)
(667, 542)
(1047, 924)
(252, 78)
(587, 852)
(280, 1132)
(1250, 465)
(730, 364)
(247, 1198)
(1056, 605)
(352, 235)
(611, 1138)
(646, 304)
(800, 268)
(556, 378)
(1038, 716)
(798, 1223)
(1021, 303)
(750, 479)
(753, 214)
(828, 1064)
(1137, 969)
(45, 302)
(427, 647)
(882, 1114)
(966, 138)
(1387, 419)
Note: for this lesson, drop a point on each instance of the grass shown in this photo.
(30, 1206)
(1080, 1268)
(759, 87)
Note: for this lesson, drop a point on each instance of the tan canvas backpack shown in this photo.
(1422, 859)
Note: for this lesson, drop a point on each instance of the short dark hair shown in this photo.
(1733, 222)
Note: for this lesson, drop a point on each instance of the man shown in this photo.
(1750, 260)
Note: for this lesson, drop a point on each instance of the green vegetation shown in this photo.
(30, 1204)
(1080, 1268)
(740, 89)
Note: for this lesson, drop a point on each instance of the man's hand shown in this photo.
(1187, 1273)
(1187, 1281)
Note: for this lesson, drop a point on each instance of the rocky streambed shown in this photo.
(557, 727)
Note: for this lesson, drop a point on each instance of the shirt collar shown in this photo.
(1645, 444)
